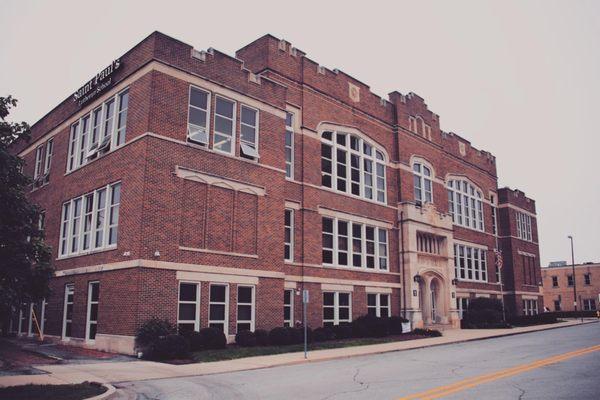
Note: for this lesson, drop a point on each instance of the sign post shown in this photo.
(304, 304)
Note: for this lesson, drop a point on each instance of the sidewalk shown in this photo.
(110, 372)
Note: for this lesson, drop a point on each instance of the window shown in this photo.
(465, 203)
(523, 226)
(555, 281)
(48, 159)
(494, 215)
(530, 307)
(288, 253)
(81, 214)
(68, 310)
(428, 243)
(249, 133)
(39, 154)
(569, 280)
(336, 308)
(498, 273)
(589, 304)
(470, 263)
(288, 307)
(354, 244)
(198, 112)
(92, 310)
(422, 183)
(462, 305)
(224, 125)
(188, 310)
(587, 279)
(557, 305)
(378, 304)
(528, 263)
(245, 308)
(218, 308)
(99, 131)
(289, 145)
(351, 165)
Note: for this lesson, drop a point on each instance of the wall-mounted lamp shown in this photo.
(454, 281)
(157, 253)
(126, 253)
(417, 278)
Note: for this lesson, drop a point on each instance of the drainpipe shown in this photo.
(401, 261)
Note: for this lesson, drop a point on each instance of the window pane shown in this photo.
(244, 313)
(187, 312)
(187, 291)
(328, 298)
(198, 98)
(217, 293)
(217, 312)
(344, 299)
(244, 294)
(224, 107)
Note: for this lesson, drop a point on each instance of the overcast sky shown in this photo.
(519, 79)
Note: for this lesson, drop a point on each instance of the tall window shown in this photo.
(224, 135)
(523, 226)
(351, 244)
(569, 280)
(351, 165)
(422, 183)
(378, 304)
(84, 224)
(530, 307)
(470, 263)
(289, 145)
(494, 215)
(288, 307)
(92, 310)
(336, 308)
(249, 133)
(589, 304)
(198, 111)
(68, 310)
(218, 306)
(587, 279)
(465, 203)
(428, 243)
(462, 304)
(529, 277)
(245, 308)
(39, 155)
(555, 281)
(288, 253)
(188, 310)
(99, 131)
(557, 305)
(48, 159)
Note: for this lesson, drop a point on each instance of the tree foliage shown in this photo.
(25, 260)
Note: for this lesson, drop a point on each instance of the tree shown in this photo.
(25, 260)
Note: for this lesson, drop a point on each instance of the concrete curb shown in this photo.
(109, 392)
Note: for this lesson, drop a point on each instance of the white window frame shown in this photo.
(376, 159)
(419, 175)
(523, 226)
(30, 322)
(476, 263)
(196, 303)
(289, 228)
(379, 255)
(253, 155)
(207, 111)
(80, 151)
(288, 322)
(49, 154)
(67, 236)
(289, 130)
(69, 289)
(587, 305)
(378, 306)
(252, 305)
(466, 207)
(233, 125)
(336, 308)
(462, 304)
(90, 302)
(39, 153)
(226, 304)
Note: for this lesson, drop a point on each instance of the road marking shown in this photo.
(446, 390)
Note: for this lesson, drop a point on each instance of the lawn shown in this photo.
(52, 392)
(232, 351)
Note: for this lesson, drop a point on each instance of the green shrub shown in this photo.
(245, 339)
(211, 339)
(342, 331)
(280, 336)
(370, 326)
(172, 346)
(323, 334)
(574, 314)
(427, 332)
(485, 303)
(395, 325)
(483, 313)
(526, 320)
(262, 337)
(152, 330)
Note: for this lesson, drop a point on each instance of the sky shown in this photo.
(520, 79)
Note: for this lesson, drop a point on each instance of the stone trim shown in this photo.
(328, 212)
(197, 176)
(318, 279)
(217, 278)
(336, 288)
(371, 289)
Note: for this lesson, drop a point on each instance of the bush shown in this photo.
(323, 334)
(152, 330)
(574, 314)
(485, 303)
(245, 339)
(427, 332)
(370, 326)
(342, 331)
(395, 325)
(483, 313)
(280, 336)
(170, 347)
(262, 337)
(206, 339)
(526, 320)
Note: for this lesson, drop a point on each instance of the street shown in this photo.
(559, 363)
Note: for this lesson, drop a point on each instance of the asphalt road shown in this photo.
(560, 363)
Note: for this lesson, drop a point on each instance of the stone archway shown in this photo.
(434, 299)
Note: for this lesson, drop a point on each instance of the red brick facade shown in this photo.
(190, 213)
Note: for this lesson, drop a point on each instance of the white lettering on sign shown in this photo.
(97, 84)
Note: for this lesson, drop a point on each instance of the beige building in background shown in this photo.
(558, 286)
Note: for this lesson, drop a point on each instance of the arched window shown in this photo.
(465, 203)
(352, 165)
(422, 183)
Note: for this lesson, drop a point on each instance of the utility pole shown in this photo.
(573, 273)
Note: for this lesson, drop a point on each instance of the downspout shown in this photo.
(401, 261)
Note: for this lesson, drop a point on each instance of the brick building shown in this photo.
(558, 286)
(210, 190)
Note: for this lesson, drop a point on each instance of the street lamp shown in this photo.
(574, 281)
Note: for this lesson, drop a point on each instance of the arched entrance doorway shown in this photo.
(434, 307)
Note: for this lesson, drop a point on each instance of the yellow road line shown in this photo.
(446, 390)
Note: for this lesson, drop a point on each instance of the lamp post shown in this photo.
(573, 273)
